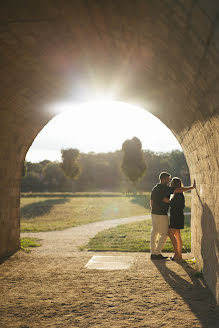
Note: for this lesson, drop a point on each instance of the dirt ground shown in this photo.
(49, 287)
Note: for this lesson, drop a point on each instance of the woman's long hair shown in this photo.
(176, 183)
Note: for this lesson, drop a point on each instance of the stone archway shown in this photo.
(162, 55)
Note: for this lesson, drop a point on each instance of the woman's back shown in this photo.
(177, 205)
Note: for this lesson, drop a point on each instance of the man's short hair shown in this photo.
(164, 175)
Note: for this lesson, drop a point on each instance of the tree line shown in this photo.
(103, 172)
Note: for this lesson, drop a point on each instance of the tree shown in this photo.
(31, 182)
(33, 167)
(179, 166)
(53, 177)
(102, 172)
(70, 163)
(133, 164)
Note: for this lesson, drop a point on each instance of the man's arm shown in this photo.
(151, 203)
(183, 189)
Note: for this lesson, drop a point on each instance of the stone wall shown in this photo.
(202, 152)
(9, 200)
(160, 54)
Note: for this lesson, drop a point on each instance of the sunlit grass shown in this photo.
(40, 214)
(26, 243)
(134, 237)
(58, 213)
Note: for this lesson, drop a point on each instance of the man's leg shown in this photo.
(163, 231)
(154, 233)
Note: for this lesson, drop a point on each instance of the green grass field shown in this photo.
(57, 213)
(62, 211)
(134, 237)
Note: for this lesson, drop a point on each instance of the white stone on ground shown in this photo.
(109, 263)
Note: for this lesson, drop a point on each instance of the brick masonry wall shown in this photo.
(9, 200)
(160, 54)
(202, 152)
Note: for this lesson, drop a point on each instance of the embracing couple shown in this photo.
(160, 203)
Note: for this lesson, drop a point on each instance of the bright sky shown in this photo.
(100, 127)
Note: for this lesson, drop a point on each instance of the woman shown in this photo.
(177, 205)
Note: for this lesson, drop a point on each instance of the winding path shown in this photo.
(66, 241)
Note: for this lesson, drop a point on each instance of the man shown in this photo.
(159, 209)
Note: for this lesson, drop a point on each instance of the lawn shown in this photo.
(134, 237)
(57, 213)
(48, 213)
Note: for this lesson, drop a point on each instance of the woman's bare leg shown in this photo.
(171, 233)
(178, 243)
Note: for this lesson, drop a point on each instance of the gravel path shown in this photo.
(50, 287)
(68, 240)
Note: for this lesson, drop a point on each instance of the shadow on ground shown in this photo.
(40, 208)
(3, 259)
(193, 291)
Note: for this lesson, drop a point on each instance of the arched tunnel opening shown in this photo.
(161, 53)
(100, 129)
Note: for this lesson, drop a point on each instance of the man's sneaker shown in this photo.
(161, 257)
(158, 257)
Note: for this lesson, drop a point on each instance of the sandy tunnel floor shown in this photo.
(53, 289)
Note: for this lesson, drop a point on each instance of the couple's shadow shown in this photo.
(192, 290)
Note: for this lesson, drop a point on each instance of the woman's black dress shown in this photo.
(177, 205)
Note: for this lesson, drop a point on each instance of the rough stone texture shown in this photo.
(162, 55)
